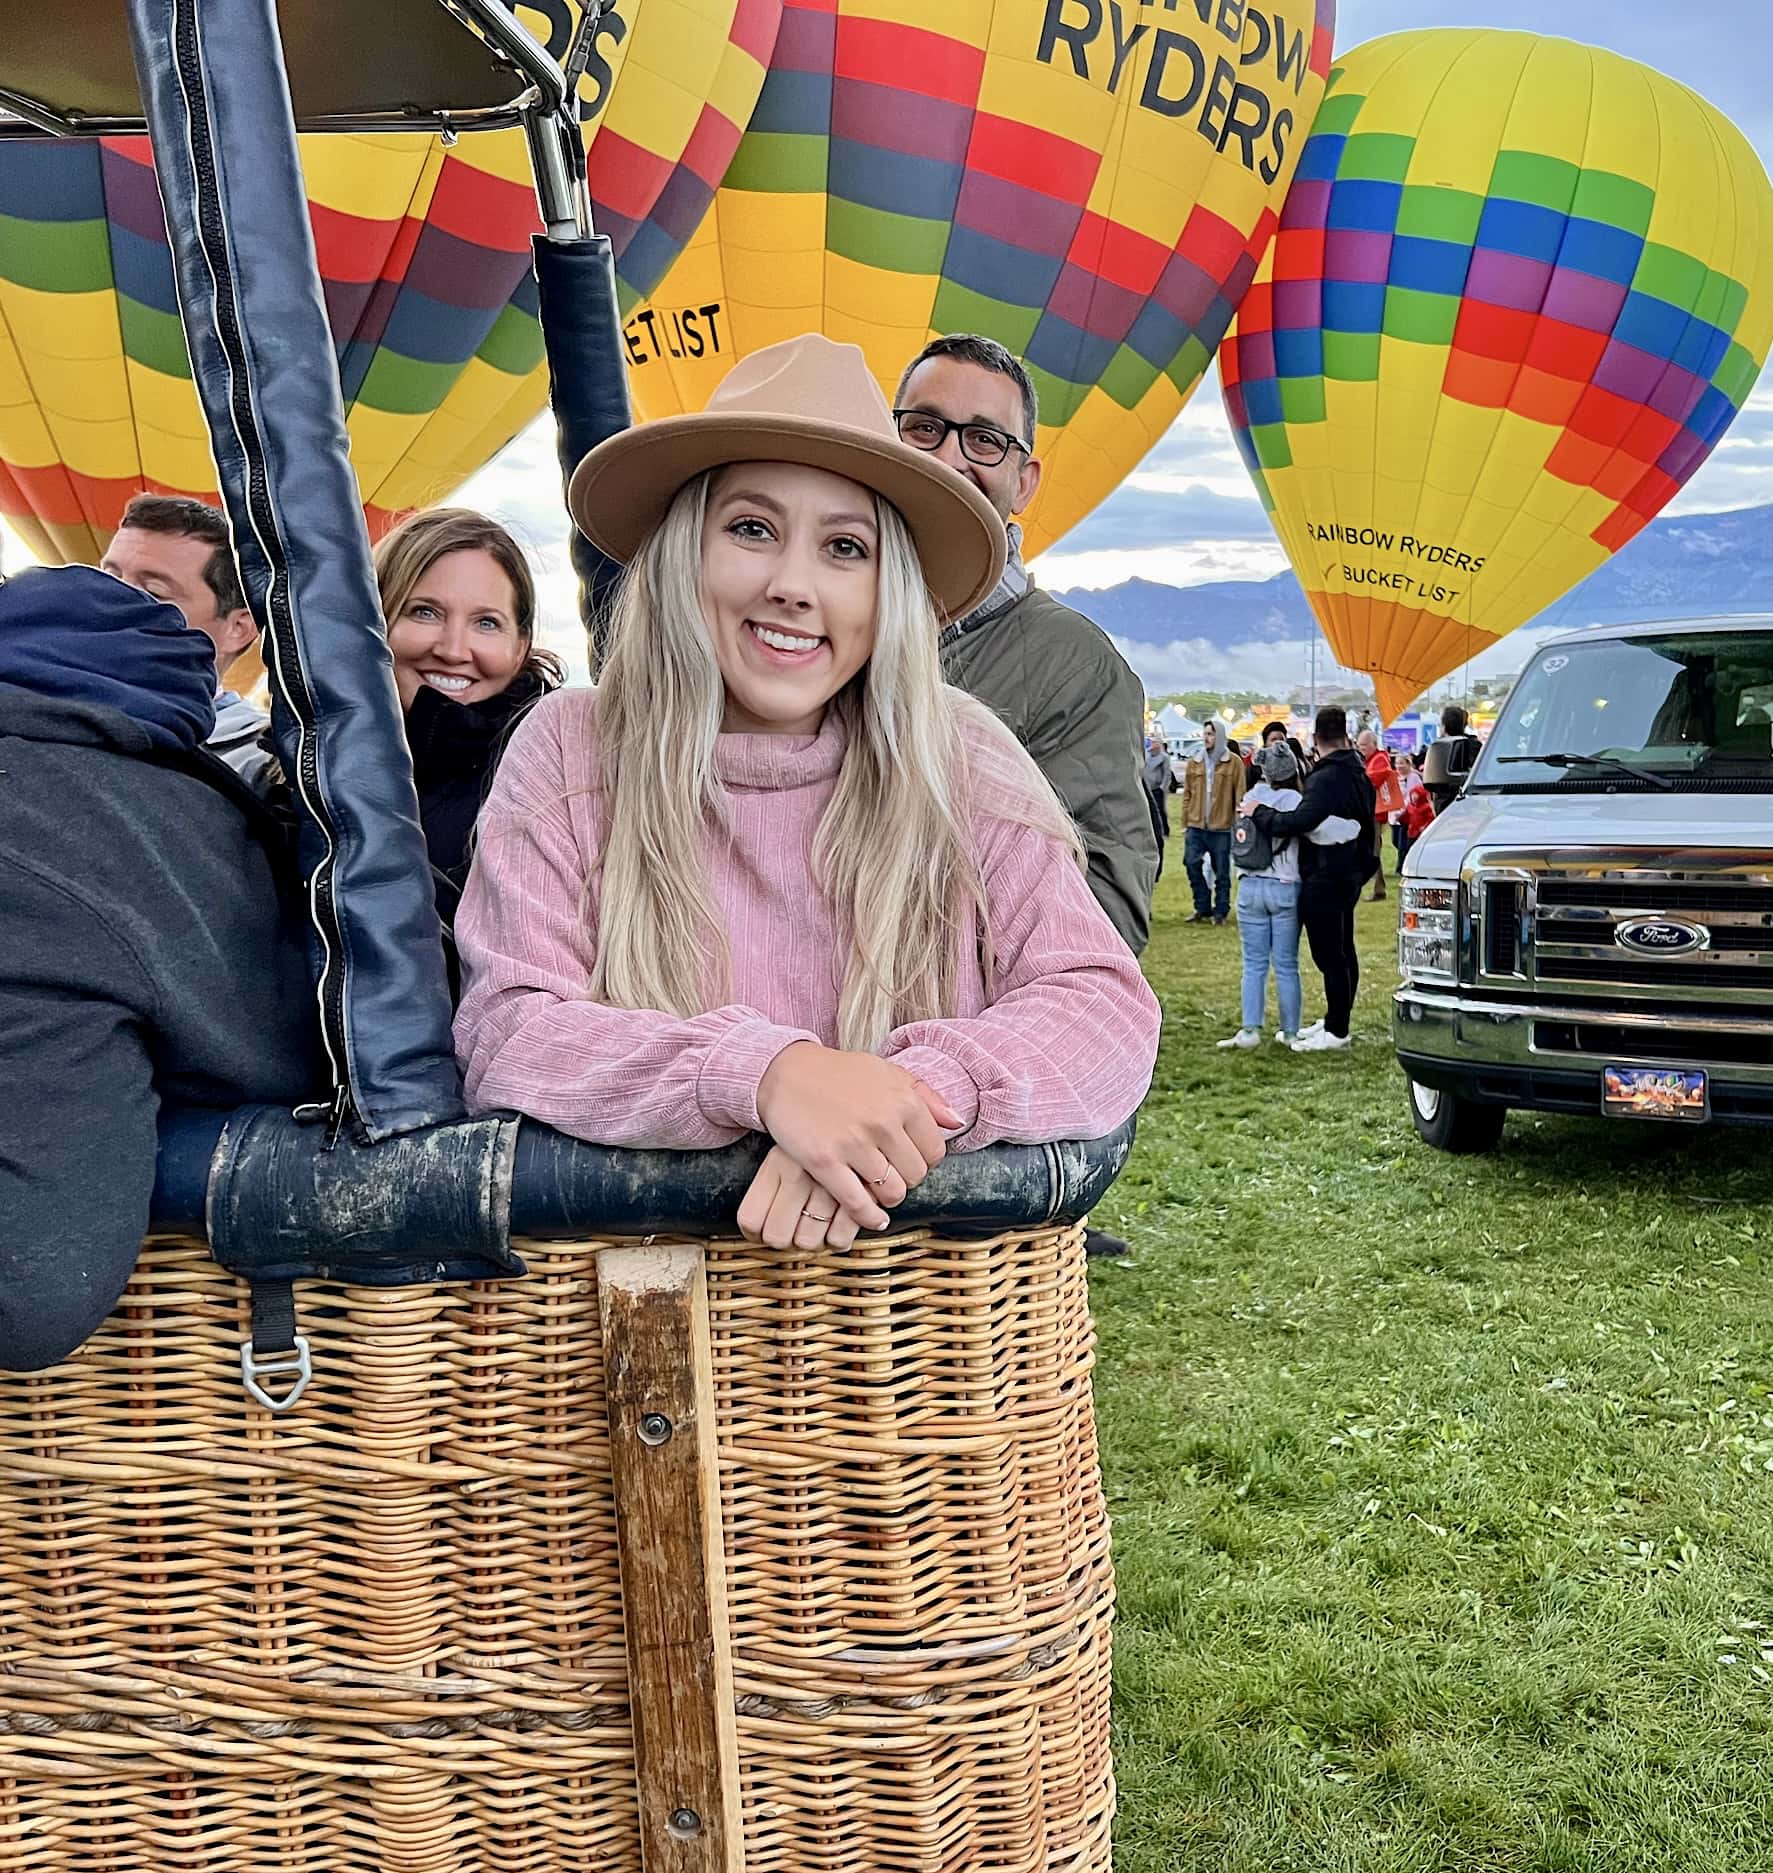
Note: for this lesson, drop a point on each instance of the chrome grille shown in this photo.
(1750, 938)
(1694, 979)
(1577, 909)
(1502, 927)
(1678, 896)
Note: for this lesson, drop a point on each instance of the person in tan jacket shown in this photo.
(1212, 785)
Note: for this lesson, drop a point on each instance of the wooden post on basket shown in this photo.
(659, 1369)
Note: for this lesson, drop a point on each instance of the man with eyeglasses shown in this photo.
(1048, 671)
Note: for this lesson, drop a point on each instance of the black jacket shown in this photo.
(456, 747)
(1337, 788)
(145, 956)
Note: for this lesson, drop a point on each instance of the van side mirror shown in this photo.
(1448, 760)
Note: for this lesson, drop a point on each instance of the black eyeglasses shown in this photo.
(979, 442)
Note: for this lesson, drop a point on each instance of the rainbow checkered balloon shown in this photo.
(1091, 182)
(1520, 290)
(423, 254)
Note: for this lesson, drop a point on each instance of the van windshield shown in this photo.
(1692, 709)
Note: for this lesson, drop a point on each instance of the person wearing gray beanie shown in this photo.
(1277, 766)
(1268, 907)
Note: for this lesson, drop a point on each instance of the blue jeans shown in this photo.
(1200, 845)
(1268, 926)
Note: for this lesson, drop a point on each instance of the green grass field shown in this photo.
(1443, 1488)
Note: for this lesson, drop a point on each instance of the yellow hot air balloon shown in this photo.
(1091, 182)
(424, 256)
(1520, 290)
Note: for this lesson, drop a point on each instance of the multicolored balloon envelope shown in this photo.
(1091, 182)
(424, 254)
(1520, 290)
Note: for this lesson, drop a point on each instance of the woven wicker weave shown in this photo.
(384, 1632)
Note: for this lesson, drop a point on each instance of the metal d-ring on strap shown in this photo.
(276, 1352)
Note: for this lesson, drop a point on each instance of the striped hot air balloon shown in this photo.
(424, 257)
(1520, 290)
(1091, 182)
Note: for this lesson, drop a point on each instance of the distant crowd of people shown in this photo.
(1304, 832)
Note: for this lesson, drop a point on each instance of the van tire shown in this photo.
(1462, 1126)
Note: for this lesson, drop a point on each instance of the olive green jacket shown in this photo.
(1068, 696)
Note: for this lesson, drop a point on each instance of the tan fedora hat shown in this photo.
(810, 402)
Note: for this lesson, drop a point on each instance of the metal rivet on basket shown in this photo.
(685, 1823)
(656, 1429)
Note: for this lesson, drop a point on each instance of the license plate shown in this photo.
(1677, 1093)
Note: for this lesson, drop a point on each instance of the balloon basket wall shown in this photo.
(692, 1555)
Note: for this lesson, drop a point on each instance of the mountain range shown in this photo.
(1253, 634)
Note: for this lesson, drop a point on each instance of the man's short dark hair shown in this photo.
(1273, 728)
(1453, 720)
(1331, 725)
(197, 520)
(988, 355)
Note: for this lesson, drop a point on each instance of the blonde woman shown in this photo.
(771, 875)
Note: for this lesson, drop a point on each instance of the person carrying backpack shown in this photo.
(1334, 819)
(1268, 901)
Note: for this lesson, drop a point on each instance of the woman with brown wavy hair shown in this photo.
(460, 606)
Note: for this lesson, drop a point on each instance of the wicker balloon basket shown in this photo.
(442, 1616)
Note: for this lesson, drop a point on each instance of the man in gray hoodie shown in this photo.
(1213, 783)
(178, 551)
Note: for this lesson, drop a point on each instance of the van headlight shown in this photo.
(1427, 932)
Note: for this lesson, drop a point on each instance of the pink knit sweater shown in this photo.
(1064, 1050)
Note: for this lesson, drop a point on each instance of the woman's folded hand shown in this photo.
(787, 1209)
(863, 1129)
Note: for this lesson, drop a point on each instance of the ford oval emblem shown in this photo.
(1662, 936)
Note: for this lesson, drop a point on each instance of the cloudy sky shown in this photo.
(1188, 514)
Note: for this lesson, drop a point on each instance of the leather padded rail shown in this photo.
(588, 387)
(442, 1205)
(432, 1205)
(213, 86)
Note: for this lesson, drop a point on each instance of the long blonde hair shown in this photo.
(892, 853)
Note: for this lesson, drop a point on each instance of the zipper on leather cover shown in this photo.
(285, 644)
